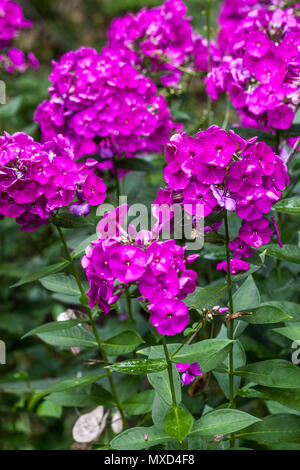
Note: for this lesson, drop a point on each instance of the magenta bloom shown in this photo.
(255, 233)
(240, 248)
(127, 263)
(254, 206)
(243, 177)
(198, 197)
(259, 62)
(166, 31)
(169, 317)
(37, 179)
(85, 100)
(236, 265)
(281, 117)
(190, 372)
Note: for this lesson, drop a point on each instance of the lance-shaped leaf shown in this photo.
(204, 296)
(274, 428)
(267, 312)
(140, 403)
(65, 334)
(139, 438)
(61, 283)
(123, 343)
(139, 366)
(247, 296)
(177, 423)
(272, 373)
(288, 206)
(41, 273)
(287, 252)
(291, 332)
(223, 421)
(75, 383)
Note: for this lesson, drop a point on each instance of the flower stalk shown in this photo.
(231, 324)
(93, 326)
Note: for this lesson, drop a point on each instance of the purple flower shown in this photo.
(127, 263)
(258, 44)
(243, 177)
(169, 316)
(255, 233)
(84, 105)
(190, 372)
(254, 206)
(37, 179)
(240, 248)
(236, 265)
(281, 117)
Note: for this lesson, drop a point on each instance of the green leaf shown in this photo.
(222, 421)
(274, 428)
(66, 334)
(239, 360)
(76, 383)
(80, 398)
(139, 438)
(287, 252)
(123, 343)
(80, 249)
(267, 312)
(159, 411)
(11, 108)
(178, 423)
(210, 353)
(49, 409)
(204, 296)
(68, 220)
(161, 384)
(272, 373)
(287, 397)
(54, 326)
(288, 206)
(247, 296)
(135, 164)
(140, 403)
(291, 332)
(293, 131)
(139, 366)
(61, 283)
(40, 273)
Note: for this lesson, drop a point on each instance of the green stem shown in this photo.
(94, 328)
(208, 11)
(71, 261)
(116, 180)
(170, 371)
(231, 324)
(187, 341)
(129, 304)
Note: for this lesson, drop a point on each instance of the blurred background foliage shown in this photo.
(24, 423)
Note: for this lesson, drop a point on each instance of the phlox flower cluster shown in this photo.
(221, 170)
(234, 11)
(11, 22)
(37, 179)
(102, 104)
(119, 259)
(260, 68)
(160, 40)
